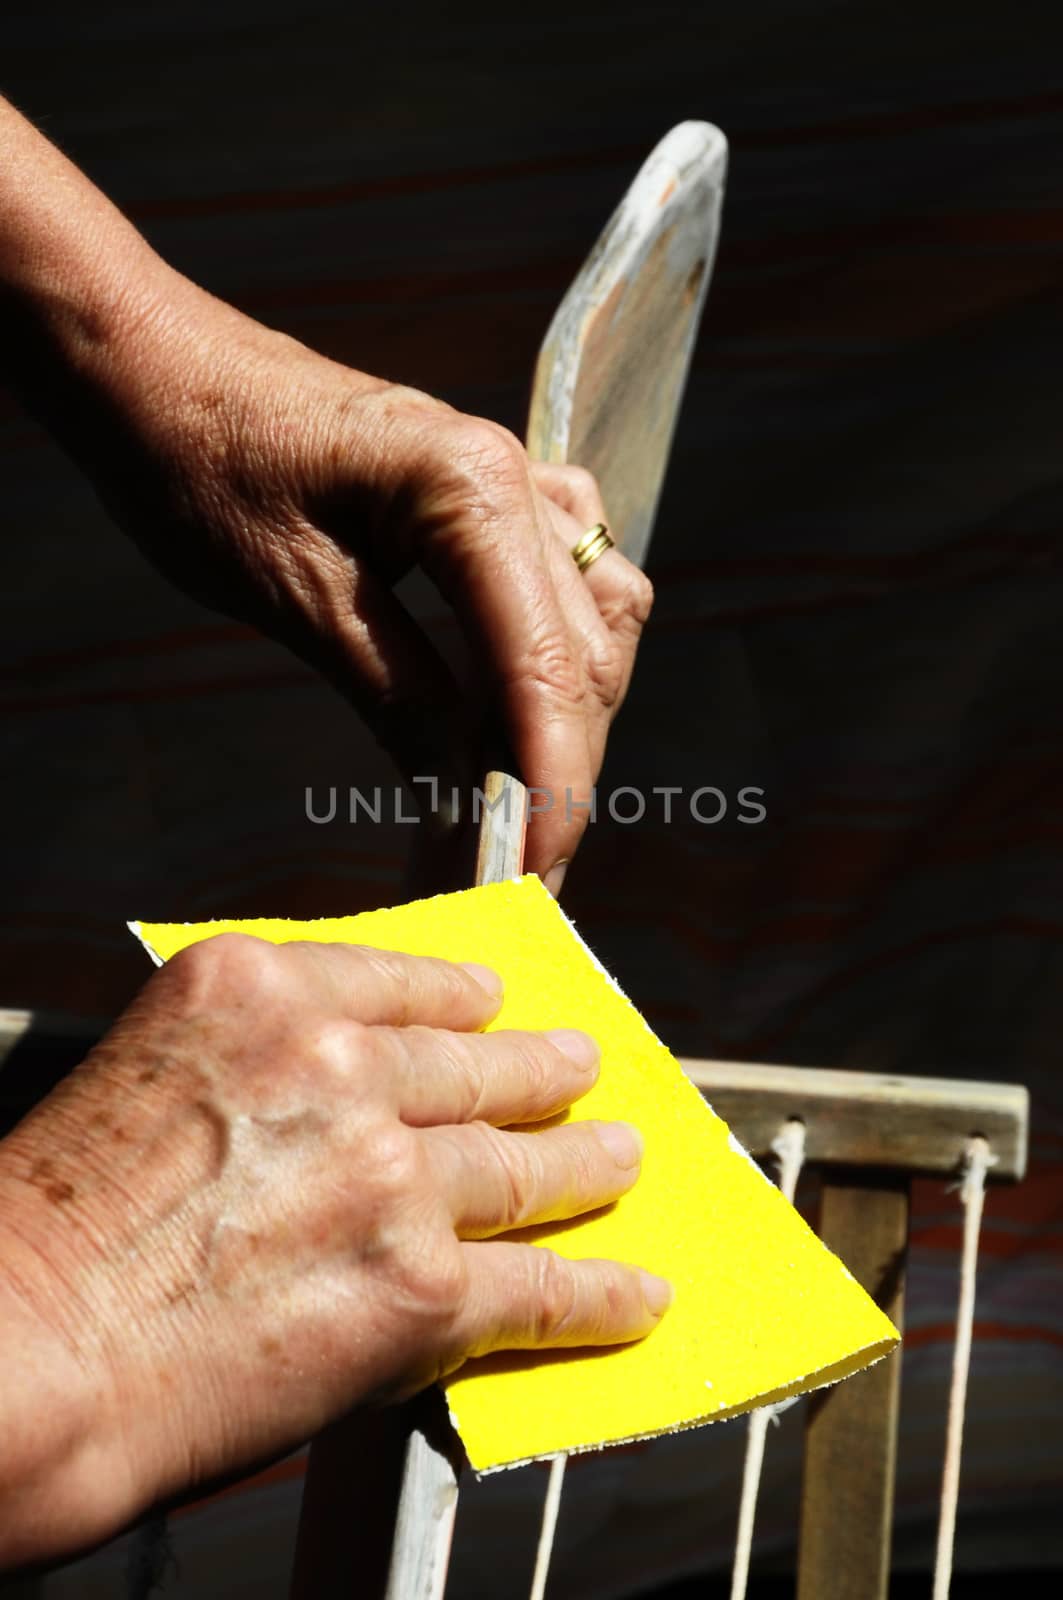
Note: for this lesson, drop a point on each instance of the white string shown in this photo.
(976, 1161)
(789, 1147)
(551, 1507)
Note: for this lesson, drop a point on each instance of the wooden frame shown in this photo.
(911, 1125)
(870, 1134)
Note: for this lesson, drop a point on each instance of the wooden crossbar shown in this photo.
(866, 1119)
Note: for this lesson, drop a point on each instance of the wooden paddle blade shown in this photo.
(613, 366)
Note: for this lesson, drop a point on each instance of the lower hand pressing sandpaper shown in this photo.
(762, 1309)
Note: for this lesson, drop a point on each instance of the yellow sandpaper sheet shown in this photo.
(762, 1309)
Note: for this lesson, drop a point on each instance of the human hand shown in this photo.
(292, 492)
(271, 1193)
(289, 491)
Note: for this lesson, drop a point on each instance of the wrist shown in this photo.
(78, 285)
(62, 1478)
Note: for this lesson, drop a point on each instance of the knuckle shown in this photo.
(491, 453)
(616, 1298)
(584, 1163)
(229, 959)
(551, 668)
(507, 1154)
(393, 416)
(605, 668)
(447, 1284)
(639, 596)
(405, 397)
(472, 1073)
(629, 600)
(555, 1296)
(331, 1046)
(582, 479)
(390, 1169)
(426, 1283)
(460, 1060)
(499, 436)
(388, 969)
(416, 985)
(542, 1070)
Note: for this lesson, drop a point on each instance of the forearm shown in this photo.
(100, 338)
(121, 357)
(75, 275)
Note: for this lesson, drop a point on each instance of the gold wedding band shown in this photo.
(595, 543)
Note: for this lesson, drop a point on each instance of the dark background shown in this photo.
(858, 568)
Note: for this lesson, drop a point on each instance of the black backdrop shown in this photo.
(857, 560)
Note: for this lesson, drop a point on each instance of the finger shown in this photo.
(608, 656)
(350, 627)
(493, 1181)
(386, 987)
(572, 488)
(574, 505)
(609, 614)
(607, 668)
(486, 543)
(526, 1297)
(502, 1078)
(562, 814)
(622, 594)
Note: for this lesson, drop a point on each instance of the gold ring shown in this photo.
(595, 543)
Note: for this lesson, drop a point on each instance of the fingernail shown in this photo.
(556, 877)
(485, 977)
(658, 1293)
(623, 1142)
(579, 1047)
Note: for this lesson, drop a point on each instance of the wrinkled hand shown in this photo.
(270, 1193)
(292, 492)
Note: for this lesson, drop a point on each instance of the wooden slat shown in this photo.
(428, 1491)
(45, 1033)
(851, 1430)
(379, 1482)
(427, 1506)
(401, 1470)
(14, 1025)
(500, 846)
(37, 1050)
(912, 1125)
